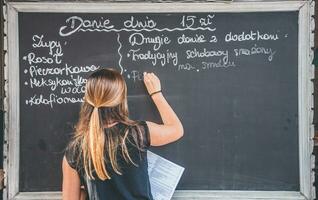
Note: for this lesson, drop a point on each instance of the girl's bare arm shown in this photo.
(71, 182)
(171, 129)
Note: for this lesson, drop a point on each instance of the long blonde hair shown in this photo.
(105, 102)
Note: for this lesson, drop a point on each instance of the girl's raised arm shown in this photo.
(171, 129)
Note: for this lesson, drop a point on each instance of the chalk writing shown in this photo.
(157, 41)
(219, 64)
(163, 58)
(76, 23)
(190, 44)
(186, 66)
(51, 100)
(191, 20)
(251, 35)
(191, 39)
(256, 50)
(204, 53)
(134, 23)
(135, 75)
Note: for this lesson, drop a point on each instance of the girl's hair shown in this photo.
(105, 102)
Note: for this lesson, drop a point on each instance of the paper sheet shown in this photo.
(164, 176)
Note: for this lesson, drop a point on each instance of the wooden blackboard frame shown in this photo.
(305, 75)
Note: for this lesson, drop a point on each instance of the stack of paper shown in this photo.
(164, 176)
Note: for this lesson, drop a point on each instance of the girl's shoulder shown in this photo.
(139, 133)
(71, 154)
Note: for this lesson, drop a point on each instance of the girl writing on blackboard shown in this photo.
(108, 151)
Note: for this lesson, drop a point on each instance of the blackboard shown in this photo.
(231, 77)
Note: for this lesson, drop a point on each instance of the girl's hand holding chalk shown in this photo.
(152, 83)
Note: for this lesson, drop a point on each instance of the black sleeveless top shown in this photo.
(134, 183)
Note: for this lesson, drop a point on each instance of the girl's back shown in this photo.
(133, 184)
